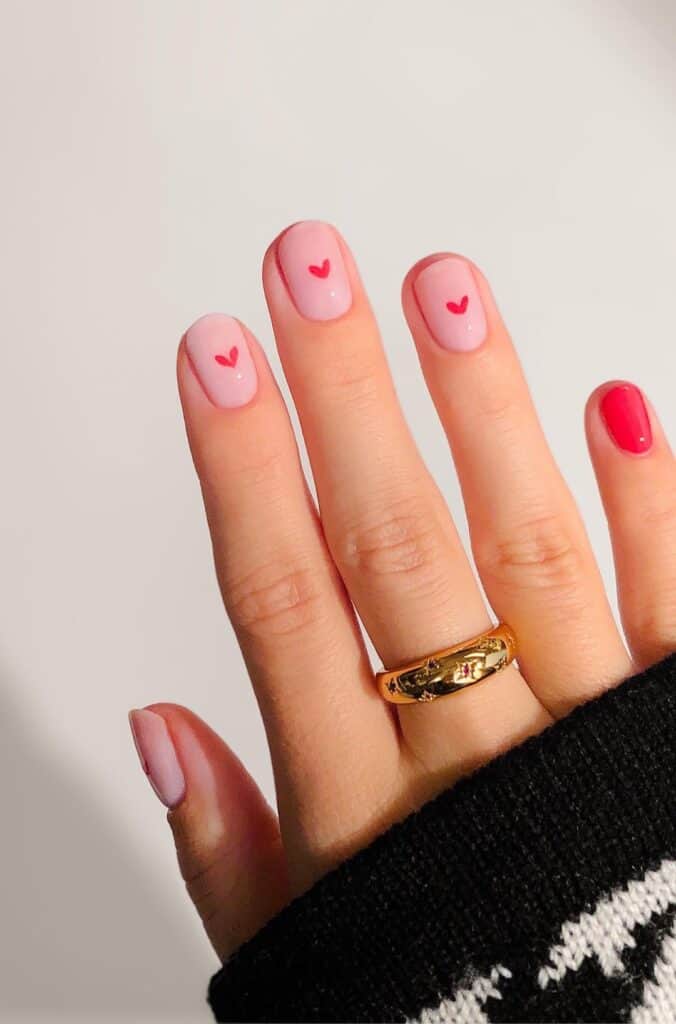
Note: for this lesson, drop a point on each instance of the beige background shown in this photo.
(150, 152)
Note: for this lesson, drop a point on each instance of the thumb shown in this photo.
(227, 837)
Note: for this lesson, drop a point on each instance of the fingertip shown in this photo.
(617, 411)
(310, 275)
(425, 261)
(591, 407)
(448, 304)
(158, 755)
(226, 835)
(601, 389)
(170, 712)
(194, 738)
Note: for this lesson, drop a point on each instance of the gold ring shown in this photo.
(450, 670)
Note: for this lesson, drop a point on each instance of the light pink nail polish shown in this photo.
(449, 301)
(312, 266)
(220, 356)
(157, 756)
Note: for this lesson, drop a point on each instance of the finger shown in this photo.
(227, 838)
(387, 527)
(286, 601)
(529, 542)
(635, 470)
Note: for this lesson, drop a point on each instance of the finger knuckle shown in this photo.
(404, 541)
(275, 600)
(264, 468)
(212, 883)
(356, 387)
(201, 878)
(256, 460)
(500, 407)
(539, 552)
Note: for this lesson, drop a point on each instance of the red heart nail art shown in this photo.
(322, 271)
(230, 359)
(458, 307)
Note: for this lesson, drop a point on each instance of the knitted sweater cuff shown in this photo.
(479, 893)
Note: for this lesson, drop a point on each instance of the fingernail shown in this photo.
(220, 356)
(626, 418)
(314, 271)
(157, 755)
(449, 301)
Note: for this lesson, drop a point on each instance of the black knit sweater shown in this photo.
(541, 888)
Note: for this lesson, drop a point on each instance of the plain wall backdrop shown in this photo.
(150, 151)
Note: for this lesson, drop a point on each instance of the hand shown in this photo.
(346, 764)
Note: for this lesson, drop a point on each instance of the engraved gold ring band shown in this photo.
(450, 670)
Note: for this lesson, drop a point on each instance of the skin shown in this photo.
(346, 764)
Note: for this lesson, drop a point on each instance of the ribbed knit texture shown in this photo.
(485, 883)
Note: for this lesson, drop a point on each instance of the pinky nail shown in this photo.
(157, 755)
(625, 415)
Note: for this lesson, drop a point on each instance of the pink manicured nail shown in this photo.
(626, 418)
(312, 266)
(158, 756)
(220, 357)
(449, 301)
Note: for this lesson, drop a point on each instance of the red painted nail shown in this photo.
(626, 418)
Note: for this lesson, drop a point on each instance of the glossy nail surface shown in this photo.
(313, 269)
(449, 301)
(626, 418)
(220, 356)
(157, 756)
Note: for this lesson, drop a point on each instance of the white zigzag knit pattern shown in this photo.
(607, 931)
(604, 933)
(466, 1006)
(658, 1003)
